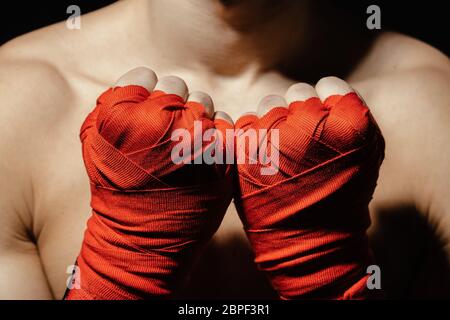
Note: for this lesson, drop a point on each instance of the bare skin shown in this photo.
(49, 80)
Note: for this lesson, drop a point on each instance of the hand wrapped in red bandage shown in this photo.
(307, 220)
(150, 216)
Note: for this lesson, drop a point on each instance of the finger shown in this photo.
(223, 117)
(173, 85)
(140, 76)
(269, 103)
(222, 122)
(306, 110)
(134, 87)
(300, 92)
(200, 98)
(332, 89)
(348, 119)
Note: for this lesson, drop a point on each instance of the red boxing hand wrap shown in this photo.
(150, 217)
(307, 223)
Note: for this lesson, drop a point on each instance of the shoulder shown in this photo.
(46, 77)
(32, 95)
(405, 69)
(31, 87)
(43, 71)
(407, 73)
(393, 52)
(406, 83)
(59, 52)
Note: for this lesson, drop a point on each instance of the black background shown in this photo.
(426, 20)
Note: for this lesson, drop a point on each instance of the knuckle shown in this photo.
(350, 129)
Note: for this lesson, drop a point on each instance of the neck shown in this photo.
(222, 36)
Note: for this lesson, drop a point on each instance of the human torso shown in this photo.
(226, 268)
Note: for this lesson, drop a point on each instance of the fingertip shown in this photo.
(140, 76)
(223, 116)
(173, 85)
(205, 100)
(300, 92)
(332, 86)
(270, 102)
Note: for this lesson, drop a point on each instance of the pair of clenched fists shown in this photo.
(306, 220)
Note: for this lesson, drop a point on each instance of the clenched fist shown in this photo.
(307, 220)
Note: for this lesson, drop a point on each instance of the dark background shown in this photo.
(426, 20)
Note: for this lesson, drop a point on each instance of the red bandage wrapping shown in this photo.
(307, 223)
(150, 216)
